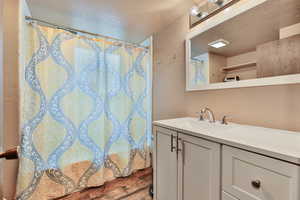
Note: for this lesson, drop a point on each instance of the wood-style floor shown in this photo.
(134, 187)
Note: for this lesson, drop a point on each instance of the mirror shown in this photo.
(252, 43)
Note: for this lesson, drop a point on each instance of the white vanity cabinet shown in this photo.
(190, 165)
(165, 164)
(198, 168)
(190, 172)
(249, 176)
(226, 196)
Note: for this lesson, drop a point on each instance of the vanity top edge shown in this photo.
(276, 143)
(165, 121)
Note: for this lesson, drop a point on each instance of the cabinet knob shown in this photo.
(256, 184)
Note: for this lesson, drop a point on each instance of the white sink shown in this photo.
(203, 126)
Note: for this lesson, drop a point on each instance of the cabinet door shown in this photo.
(165, 164)
(198, 169)
(226, 196)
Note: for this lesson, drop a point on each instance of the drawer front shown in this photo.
(249, 176)
(226, 196)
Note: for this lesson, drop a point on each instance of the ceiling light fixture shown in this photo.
(219, 43)
(194, 11)
(218, 2)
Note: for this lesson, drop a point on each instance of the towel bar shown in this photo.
(10, 154)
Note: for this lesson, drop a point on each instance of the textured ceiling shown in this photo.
(130, 20)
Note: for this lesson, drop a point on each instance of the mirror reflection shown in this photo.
(261, 42)
(201, 10)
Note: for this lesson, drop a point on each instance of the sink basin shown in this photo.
(205, 126)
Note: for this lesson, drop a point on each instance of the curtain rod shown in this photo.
(74, 31)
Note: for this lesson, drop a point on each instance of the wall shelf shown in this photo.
(243, 65)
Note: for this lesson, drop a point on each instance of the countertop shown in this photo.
(276, 143)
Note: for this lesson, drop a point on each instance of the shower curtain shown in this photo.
(85, 112)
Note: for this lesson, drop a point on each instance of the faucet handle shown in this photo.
(224, 120)
(201, 118)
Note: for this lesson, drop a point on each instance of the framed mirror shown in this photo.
(251, 43)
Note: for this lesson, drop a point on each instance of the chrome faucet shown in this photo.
(210, 114)
(201, 115)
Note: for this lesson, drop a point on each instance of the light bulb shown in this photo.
(194, 11)
(218, 2)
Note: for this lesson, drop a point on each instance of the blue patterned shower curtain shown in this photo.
(85, 112)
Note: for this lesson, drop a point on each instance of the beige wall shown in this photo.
(168, 72)
(1, 95)
(10, 71)
(270, 106)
